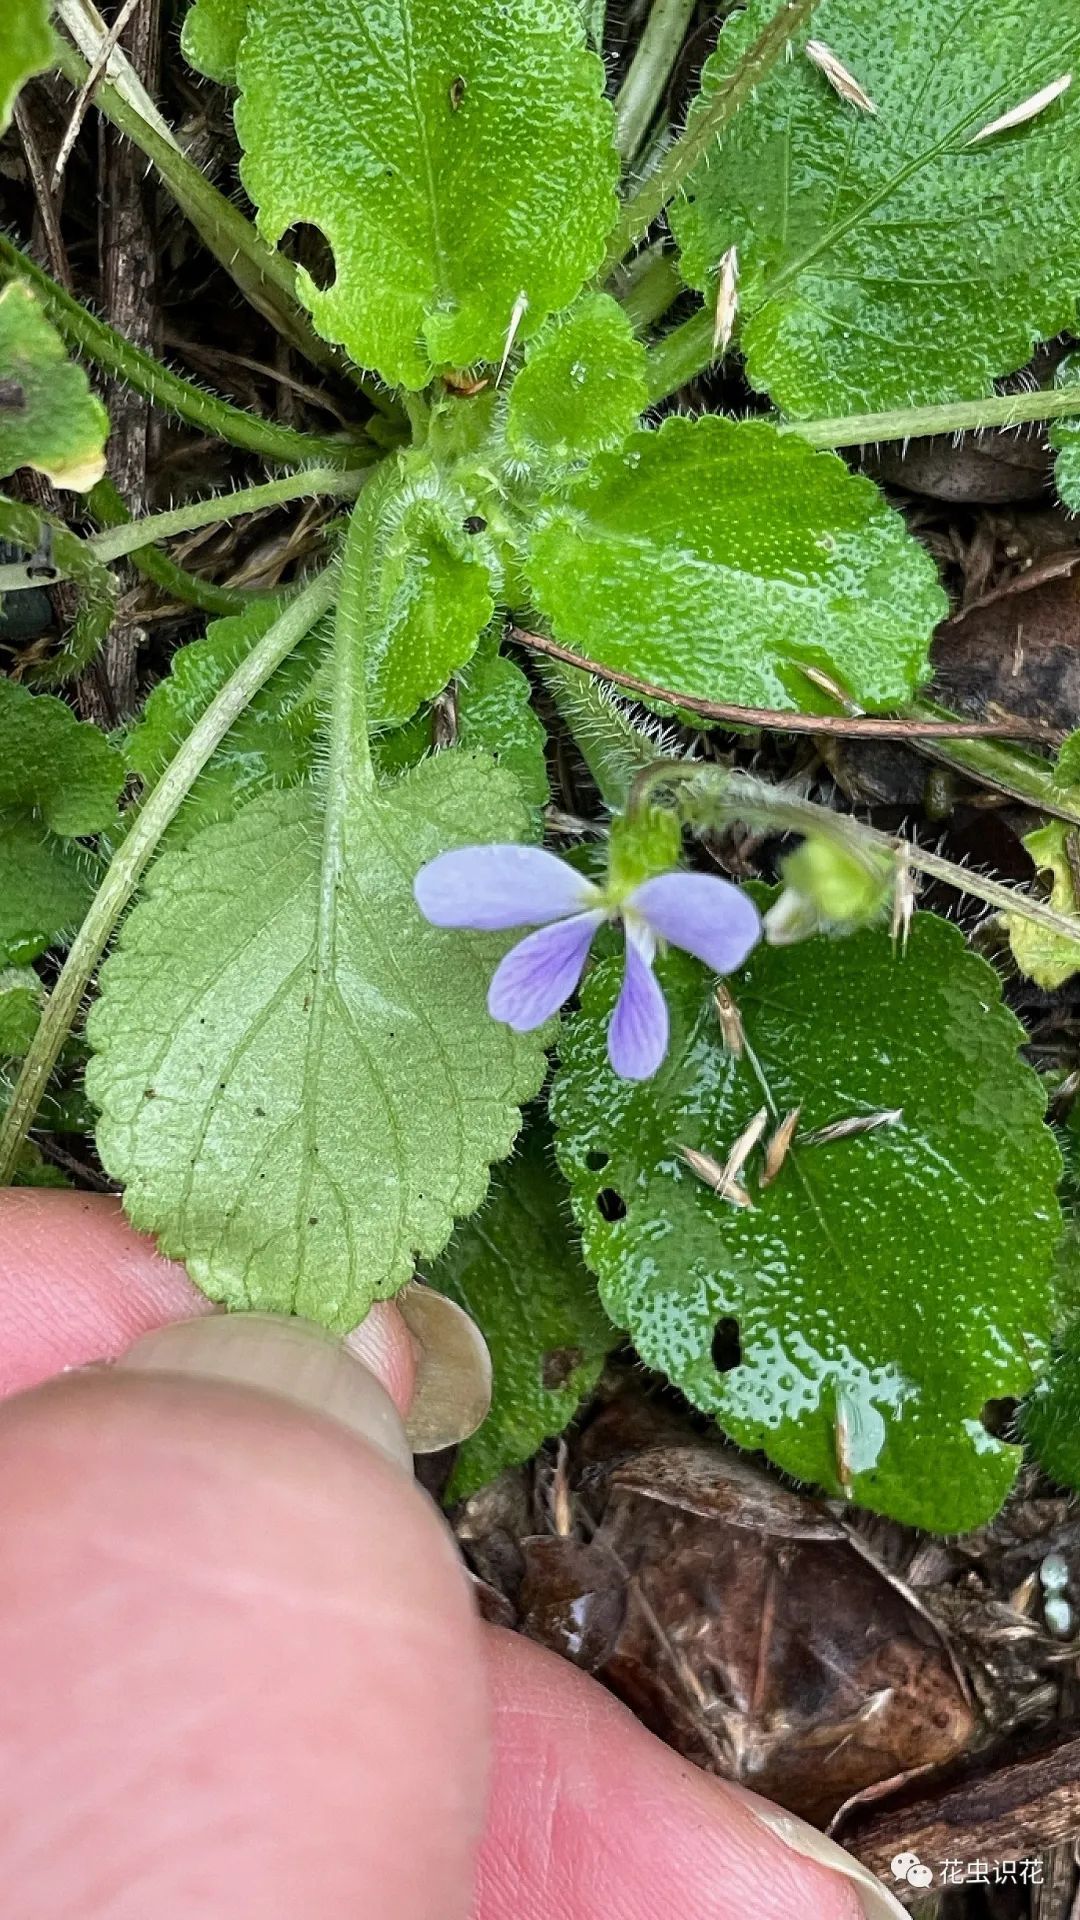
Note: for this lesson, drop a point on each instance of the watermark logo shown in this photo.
(908, 1866)
(965, 1873)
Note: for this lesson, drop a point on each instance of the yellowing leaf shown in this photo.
(1048, 958)
(49, 417)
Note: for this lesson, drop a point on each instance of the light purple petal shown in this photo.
(488, 888)
(704, 915)
(541, 972)
(638, 1034)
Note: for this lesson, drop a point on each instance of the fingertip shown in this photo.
(79, 1285)
(240, 1658)
(586, 1804)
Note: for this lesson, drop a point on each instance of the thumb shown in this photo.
(239, 1652)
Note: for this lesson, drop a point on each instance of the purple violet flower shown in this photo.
(494, 887)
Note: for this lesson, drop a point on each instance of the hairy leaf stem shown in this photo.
(116, 542)
(206, 411)
(712, 796)
(264, 276)
(178, 582)
(650, 70)
(653, 195)
(688, 351)
(132, 856)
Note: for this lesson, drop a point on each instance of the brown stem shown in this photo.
(838, 724)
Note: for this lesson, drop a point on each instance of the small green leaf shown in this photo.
(720, 557)
(26, 48)
(1065, 438)
(211, 35)
(21, 997)
(893, 259)
(46, 885)
(1048, 958)
(296, 1122)
(436, 583)
(49, 418)
(886, 1285)
(1066, 768)
(582, 386)
(62, 768)
(59, 780)
(512, 1268)
(494, 715)
(458, 159)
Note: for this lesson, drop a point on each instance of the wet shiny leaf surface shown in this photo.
(459, 161)
(720, 558)
(885, 259)
(857, 1319)
(582, 386)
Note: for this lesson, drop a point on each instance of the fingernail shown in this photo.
(877, 1902)
(293, 1359)
(452, 1394)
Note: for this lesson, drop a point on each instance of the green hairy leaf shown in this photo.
(21, 995)
(326, 1091)
(493, 714)
(582, 386)
(211, 35)
(59, 781)
(271, 745)
(885, 1285)
(49, 418)
(894, 259)
(301, 1125)
(436, 583)
(458, 159)
(512, 1268)
(26, 47)
(720, 557)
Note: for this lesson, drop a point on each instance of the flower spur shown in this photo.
(492, 888)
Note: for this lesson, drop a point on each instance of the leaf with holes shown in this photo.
(59, 783)
(896, 258)
(327, 1091)
(512, 1269)
(582, 386)
(459, 161)
(886, 1285)
(721, 557)
(26, 48)
(211, 35)
(49, 417)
